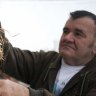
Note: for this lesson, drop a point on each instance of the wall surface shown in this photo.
(37, 24)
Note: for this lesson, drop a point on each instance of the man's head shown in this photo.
(78, 41)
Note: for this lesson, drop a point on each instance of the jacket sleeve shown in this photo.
(23, 64)
(39, 92)
(27, 66)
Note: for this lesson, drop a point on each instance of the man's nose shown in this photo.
(69, 36)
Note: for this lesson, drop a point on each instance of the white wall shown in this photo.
(38, 24)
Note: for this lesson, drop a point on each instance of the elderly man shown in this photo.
(71, 72)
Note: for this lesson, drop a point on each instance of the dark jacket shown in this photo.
(39, 69)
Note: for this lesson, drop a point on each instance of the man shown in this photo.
(71, 72)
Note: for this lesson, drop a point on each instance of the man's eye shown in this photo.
(77, 34)
(65, 31)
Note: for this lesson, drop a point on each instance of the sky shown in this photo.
(37, 25)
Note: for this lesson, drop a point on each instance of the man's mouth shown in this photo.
(70, 46)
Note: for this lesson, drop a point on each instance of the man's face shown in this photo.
(78, 41)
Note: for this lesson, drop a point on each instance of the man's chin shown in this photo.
(66, 54)
(66, 50)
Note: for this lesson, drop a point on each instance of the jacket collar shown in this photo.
(54, 67)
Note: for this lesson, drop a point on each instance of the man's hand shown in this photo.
(10, 88)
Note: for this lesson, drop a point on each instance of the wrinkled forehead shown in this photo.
(85, 24)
